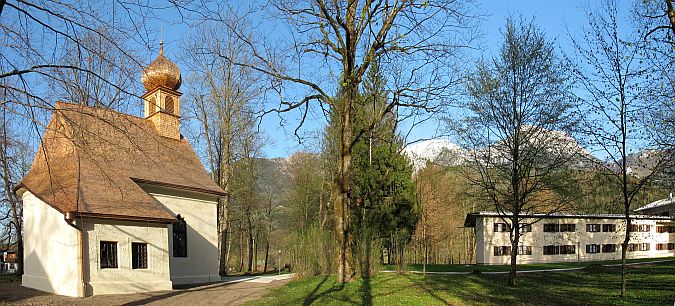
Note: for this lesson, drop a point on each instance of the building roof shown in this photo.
(91, 160)
(470, 220)
(667, 204)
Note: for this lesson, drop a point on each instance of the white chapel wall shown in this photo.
(199, 212)
(125, 279)
(51, 249)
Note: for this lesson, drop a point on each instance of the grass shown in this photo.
(503, 268)
(652, 284)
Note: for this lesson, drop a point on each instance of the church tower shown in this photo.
(162, 80)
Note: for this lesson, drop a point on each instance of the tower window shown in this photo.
(179, 237)
(152, 106)
(168, 104)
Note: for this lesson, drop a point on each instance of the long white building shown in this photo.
(571, 237)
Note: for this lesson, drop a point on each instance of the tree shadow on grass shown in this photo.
(366, 292)
(316, 294)
(429, 286)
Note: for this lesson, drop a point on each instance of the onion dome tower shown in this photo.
(162, 79)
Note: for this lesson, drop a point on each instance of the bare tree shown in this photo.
(614, 82)
(113, 80)
(224, 104)
(414, 42)
(520, 113)
(13, 165)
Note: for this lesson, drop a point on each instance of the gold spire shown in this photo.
(161, 72)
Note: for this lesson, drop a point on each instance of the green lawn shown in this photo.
(498, 268)
(652, 284)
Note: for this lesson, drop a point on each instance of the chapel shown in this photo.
(115, 203)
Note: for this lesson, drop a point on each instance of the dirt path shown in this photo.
(233, 291)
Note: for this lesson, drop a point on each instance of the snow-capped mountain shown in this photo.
(441, 151)
(555, 143)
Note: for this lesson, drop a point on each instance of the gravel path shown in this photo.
(232, 291)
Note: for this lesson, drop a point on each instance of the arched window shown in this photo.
(179, 237)
(168, 104)
(152, 106)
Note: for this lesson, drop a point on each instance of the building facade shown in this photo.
(571, 237)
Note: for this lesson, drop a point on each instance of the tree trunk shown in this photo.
(267, 253)
(250, 243)
(515, 239)
(624, 249)
(223, 232)
(342, 180)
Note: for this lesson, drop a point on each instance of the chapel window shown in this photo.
(179, 237)
(108, 254)
(139, 255)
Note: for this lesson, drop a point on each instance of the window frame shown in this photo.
(551, 227)
(524, 250)
(109, 248)
(180, 250)
(568, 227)
(551, 249)
(593, 227)
(609, 228)
(136, 248)
(593, 248)
(605, 248)
(500, 227)
(568, 249)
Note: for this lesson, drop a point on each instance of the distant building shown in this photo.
(114, 203)
(8, 262)
(571, 237)
(664, 207)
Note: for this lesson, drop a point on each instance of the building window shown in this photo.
(179, 237)
(108, 254)
(609, 248)
(665, 229)
(551, 250)
(526, 228)
(502, 250)
(592, 248)
(643, 246)
(568, 227)
(139, 255)
(502, 227)
(551, 227)
(609, 227)
(568, 249)
(665, 246)
(632, 247)
(592, 228)
(168, 104)
(524, 250)
(640, 228)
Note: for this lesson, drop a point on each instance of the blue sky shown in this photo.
(553, 17)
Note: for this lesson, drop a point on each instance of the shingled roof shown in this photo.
(91, 161)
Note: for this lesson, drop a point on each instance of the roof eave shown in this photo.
(124, 218)
(181, 187)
